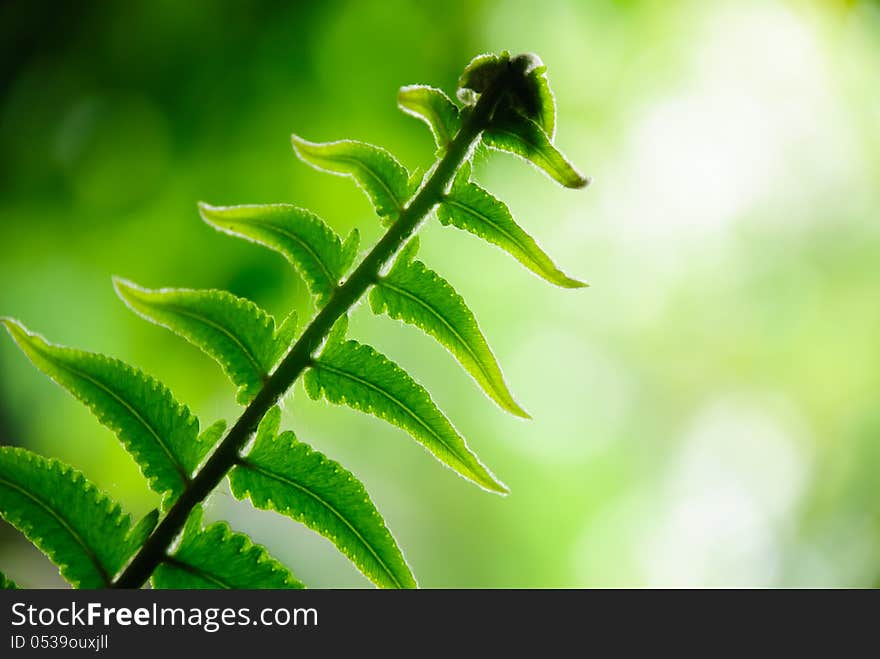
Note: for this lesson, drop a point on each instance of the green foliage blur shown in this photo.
(704, 415)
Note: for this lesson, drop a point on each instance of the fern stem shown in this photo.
(226, 455)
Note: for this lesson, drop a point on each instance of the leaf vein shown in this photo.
(360, 165)
(319, 364)
(82, 543)
(305, 245)
(247, 352)
(192, 569)
(162, 444)
(289, 481)
(443, 320)
(482, 216)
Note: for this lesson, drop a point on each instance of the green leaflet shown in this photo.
(212, 434)
(417, 295)
(375, 170)
(68, 518)
(416, 178)
(216, 557)
(468, 206)
(285, 475)
(237, 333)
(356, 375)
(286, 333)
(6, 583)
(89, 536)
(142, 530)
(433, 107)
(302, 237)
(160, 433)
(521, 136)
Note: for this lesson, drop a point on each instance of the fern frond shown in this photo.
(509, 107)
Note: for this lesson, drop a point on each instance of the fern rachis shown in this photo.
(508, 106)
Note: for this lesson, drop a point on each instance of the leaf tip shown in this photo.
(580, 182)
(300, 145)
(488, 481)
(496, 487)
(131, 294)
(211, 214)
(123, 286)
(517, 410)
(310, 153)
(506, 401)
(8, 322)
(15, 328)
(568, 282)
(402, 95)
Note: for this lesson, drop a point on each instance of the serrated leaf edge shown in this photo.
(206, 208)
(287, 481)
(442, 140)
(155, 384)
(99, 498)
(563, 280)
(120, 283)
(504, 398)
(581, 182)
(298, 144)
(319, 365)
(243, 545)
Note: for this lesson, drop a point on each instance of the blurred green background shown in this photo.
(704, 415)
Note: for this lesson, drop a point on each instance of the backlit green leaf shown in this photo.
(237, 333)
(523, 137)
(67, 517)
(356, 375)
(161, 434)
(142, 530)
(433, 107)
(216, 557)
(6, 583)
(470, 207)
(417, 295)
(286, 334)
(210, 435)
(299, 235)
(375, 170)
(285, 475)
